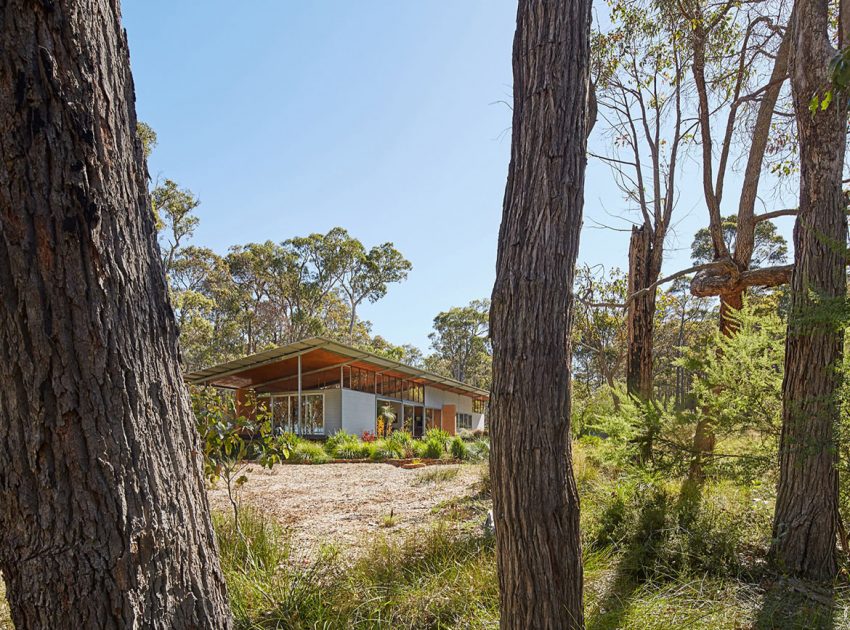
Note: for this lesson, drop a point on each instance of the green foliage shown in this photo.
(770, 247)
(343, 445)
(738, 390)
(665, 533)
(230, 437)
(478, 450)
(438, 435)
(385, 449)
(306, 452)
(461, 343)
(434, 448)
(402, 439)
(420, 448)
(434, 579)
(147, 136)
(458, 449)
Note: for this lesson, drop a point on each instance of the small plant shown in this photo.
(478, 451)
(389, 520)
(386, 419)
(309, 453)
(231, 435)
(434, 449)
(419, 448)
(438, 474)
(340, 437)
(386, 449)
(438, 435)
(459, 449)
(368, 437)
(402, 438)
(352, 450)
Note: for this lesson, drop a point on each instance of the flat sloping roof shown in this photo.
(271, 369)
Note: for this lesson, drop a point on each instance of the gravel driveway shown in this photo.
(342, 503)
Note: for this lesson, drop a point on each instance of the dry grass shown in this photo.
(346, 503)
(5, 618)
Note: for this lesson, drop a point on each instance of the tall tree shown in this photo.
(804, 527)
(460, 342)
(104, 521)
(535, 502)
(365, 275)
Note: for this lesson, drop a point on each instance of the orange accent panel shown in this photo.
(449, 420)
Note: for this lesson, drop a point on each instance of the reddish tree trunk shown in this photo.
(804, 527)
(104, 521)
(535, 502)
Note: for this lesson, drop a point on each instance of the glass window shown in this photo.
(478, 406)
(285, 413)
(464, 420)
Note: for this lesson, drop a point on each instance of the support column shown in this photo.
(300, 427)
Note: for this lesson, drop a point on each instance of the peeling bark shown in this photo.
(104, 521)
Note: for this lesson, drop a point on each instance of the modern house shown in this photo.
(317, 387)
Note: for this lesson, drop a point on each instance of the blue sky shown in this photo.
(379, 116)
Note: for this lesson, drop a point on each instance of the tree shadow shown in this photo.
(612, 606)
(790, 604)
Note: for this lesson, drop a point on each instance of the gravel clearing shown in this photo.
(344, 503)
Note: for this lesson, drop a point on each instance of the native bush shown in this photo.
(306, 452)
(386, 449)
(458, 448)
(434, 448)
(438, 435)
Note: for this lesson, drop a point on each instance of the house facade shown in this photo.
(317, 387)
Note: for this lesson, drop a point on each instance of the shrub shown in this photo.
(434, 448)
(458, 448)
(466, 435)
(385, 449)
(419, 448)
(401, 438)
(664, 533)
(340, 437)
(368, 437)
(352, 450)
(478, 451)
(309, 453)
(439, 435)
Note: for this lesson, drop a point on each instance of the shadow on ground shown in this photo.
(792, 604)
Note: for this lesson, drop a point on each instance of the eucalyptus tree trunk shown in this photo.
(804, 527)
(104, 521)
(536, 505)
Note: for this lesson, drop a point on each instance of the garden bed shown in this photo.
(406, 463)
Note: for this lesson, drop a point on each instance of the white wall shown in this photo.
(333, 410)
(437, 398)
(358, 411)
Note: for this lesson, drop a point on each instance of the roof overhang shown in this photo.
(276, 368)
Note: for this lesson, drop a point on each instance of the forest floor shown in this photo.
(342, 503)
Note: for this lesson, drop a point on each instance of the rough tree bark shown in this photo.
(103, 515)
(536, 505)
(804, 527)
(640, 315)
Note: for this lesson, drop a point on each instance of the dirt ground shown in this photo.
(340, 503)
